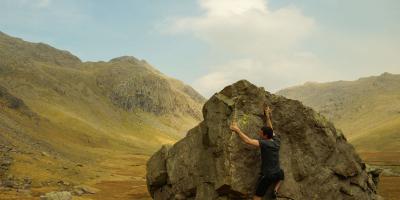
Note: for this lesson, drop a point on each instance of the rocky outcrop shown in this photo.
(8, 180)
(7, 100)
(5, 162)
(212, 163)
(133, 85)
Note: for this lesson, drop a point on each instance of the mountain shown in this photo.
(367, 110)
(211, 162)
(61, 117)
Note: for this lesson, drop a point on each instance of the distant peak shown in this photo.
(311, 83)
(125, 59)
(2, 34)
(386, 74)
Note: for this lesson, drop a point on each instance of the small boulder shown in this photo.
(84, 189)
(9, 183)
(45, 154)
(57, 196)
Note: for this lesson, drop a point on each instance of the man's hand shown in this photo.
(267, 111)
(268, 115)
(234, 127)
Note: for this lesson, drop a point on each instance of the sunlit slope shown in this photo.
(103, 95)
(367, 110)
(82, 112)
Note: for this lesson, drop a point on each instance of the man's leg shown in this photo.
(281, 177)
(262, 186)
(277, 186)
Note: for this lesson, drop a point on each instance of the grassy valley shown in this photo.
(65, 122)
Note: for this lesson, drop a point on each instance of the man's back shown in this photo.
(270, 156)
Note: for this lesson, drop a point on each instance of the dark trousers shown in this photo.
(264, 181)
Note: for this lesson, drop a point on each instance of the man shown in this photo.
(271, 173)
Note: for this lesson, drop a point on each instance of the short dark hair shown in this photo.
(267, 131)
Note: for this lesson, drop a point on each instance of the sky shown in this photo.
(210, 44)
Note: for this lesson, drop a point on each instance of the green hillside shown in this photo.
(367, 110)
(61, 117)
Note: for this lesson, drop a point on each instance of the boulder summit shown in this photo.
(211, 162)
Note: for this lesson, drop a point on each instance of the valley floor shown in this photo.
(389, 187)
(127, 181)
(123, 178)
(390, 178)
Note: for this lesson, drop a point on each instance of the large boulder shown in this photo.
(212, 163)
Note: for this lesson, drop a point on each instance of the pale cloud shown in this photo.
(272, 74)
(246, 26)
(263, 44)
(43, 3)
(31, 3)
(232, 7)
(360, 55)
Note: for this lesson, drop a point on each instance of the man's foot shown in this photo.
(274, 194)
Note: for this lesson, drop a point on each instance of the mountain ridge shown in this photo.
(126, 64)
(360, 108)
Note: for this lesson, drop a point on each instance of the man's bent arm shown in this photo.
(248, 140)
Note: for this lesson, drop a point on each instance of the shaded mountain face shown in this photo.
(367, 110)
(132, 84)
(211, 162)
(54, 104)
(9, 101)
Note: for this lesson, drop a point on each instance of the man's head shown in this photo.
(266, 132)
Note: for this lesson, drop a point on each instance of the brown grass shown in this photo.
(121, 177)
(381, 158)
(127, 180)
(389, 187)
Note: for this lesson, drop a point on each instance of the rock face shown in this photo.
(132, 84)
(5, 161)
(212, 163)
(12, 102)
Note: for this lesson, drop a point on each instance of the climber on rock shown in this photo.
(271, 173)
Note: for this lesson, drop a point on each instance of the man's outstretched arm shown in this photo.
(268, 116)
(234, 127)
